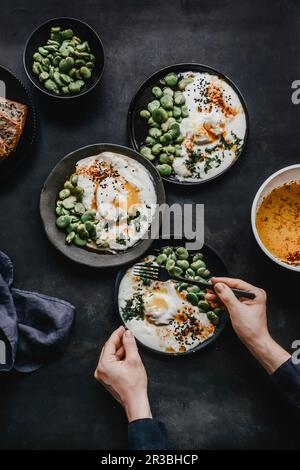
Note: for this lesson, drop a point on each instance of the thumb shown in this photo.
(226, 295)
(129, 343)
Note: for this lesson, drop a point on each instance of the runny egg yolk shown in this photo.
(131, 199)
(158, 302)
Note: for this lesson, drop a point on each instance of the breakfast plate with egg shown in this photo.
(190, 121)
(171, 318)
(99, 204)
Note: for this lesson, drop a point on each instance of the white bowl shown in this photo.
(285, 175)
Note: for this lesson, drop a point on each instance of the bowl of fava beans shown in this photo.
(64, 58)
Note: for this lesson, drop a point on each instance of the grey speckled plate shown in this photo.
(54, 182)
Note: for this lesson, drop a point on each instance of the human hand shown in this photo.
(121, 371)
(249, 320)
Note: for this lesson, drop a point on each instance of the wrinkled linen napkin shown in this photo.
(34, 328)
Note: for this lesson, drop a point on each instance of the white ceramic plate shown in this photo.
(281, 177)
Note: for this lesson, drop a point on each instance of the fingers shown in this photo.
(113, 343)
(239, 284)
(129, 343)
(226, 295)
(120, 353)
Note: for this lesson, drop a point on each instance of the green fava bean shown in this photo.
(78, 192)
(82, 231)
(213, 318)
(37, 57)
(164, 169)
(170, 149)
(75, 87)
(176, 112)
(160, 115)
(172, 256)
(182, 84)
(74, 179)
(63, 221)
(206, 274)
(195, 289)
(156, 149)
(65, 78)
(153, 123)
(79, 241)
(168, 91)
(50, 85)
(190, 273)
(37, 68)
(79, 208)
(166, 101)
(57, 79)
(192, 298)
(146, 152)
(182, 253)
(183, 286)
(197, 265)
(175, 127)
(90, 227)
(58, 210)
(88, 215)
(204, 305)
(170, 264)
(64, 193)
(179, 139)
(150, 140)
(161, 259)
(85, 73)
(198, 256)
(179, 98)
(43, 51)
(164, 158)
(184, 112)
(67, 34)
(70, 237)
(157, 92)
(69, 202)
(145, 113)
(201, 270)
(65, 90)
(171, 79)
(43, 76)
(168, 251)
(176, 271)
(183, 264)
(165, 139)
(155, 133)
(153, 105)
(178, 151)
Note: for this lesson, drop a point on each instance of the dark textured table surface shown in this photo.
(217, 399)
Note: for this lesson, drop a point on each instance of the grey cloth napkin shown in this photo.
(34, 328)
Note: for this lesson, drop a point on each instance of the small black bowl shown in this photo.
(215, 264)
(39, 38)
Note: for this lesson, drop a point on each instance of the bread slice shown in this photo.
(12, 122)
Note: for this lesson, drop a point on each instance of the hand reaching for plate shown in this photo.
(121, 371)
(249, 320)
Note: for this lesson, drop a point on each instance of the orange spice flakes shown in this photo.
(97, 171)
(215, 97)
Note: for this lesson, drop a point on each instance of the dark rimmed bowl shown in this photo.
(215, 264)
(16, 91)
(137, 128)
(40, 36)
(55, 181)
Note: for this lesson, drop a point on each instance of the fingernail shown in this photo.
(219, 287)
(128, 333)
